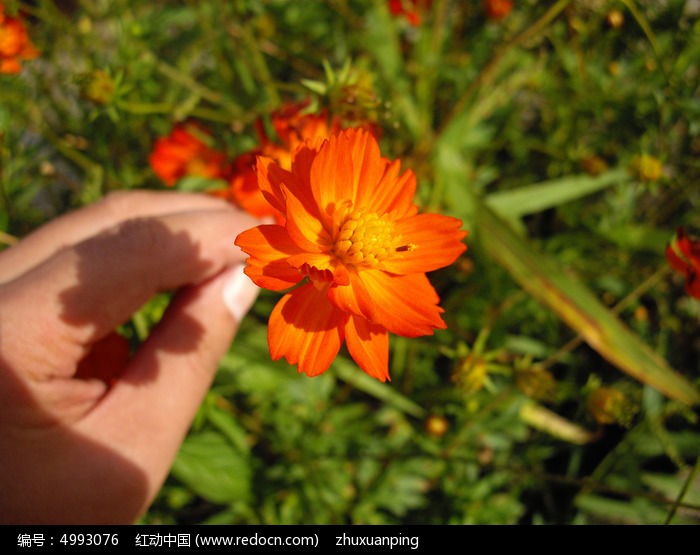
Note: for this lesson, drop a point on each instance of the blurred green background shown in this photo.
(566, 136)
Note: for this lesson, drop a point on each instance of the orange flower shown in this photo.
(410, 9)
(497, 9)
(243, 190)
(15, 44)
(184, 153)
(683, 254)
(355, 247)
(293, 127)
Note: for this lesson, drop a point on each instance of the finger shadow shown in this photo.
(49, 473)
(108, 289)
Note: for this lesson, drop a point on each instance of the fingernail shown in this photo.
(239, 292)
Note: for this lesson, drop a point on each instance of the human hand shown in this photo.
(76, 449)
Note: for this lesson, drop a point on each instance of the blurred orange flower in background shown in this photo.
(683, 254)
(497, 9)
(356, 249)
(243, 190)
(15, 44)
(410, 9)
(184, 152)
(292, 126)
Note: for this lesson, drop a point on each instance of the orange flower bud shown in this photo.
(497, 9)
(15, 44)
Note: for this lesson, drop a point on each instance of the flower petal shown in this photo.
(306, 329)
(404, 305)
(692, 285)
(427, 242)
(350, 167)
(270, 176)
(394, 193)
(683, 254)
(305, 227)
(320, 267)
(268, 247)
(690, 248)
(369, 166)
(344, 296)
(677, 263)
(244, 189)
(332, 180)
(368, 345)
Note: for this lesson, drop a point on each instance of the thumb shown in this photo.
(180, 357)
(158, 394)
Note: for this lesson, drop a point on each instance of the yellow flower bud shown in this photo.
(609, 405)
(646, 167)
(436, 426)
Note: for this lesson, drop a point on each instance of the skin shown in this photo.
(79, 450)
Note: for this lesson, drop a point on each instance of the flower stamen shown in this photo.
(364, 239)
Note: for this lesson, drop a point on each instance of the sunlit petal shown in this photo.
(368, 345)
(426, 242)
(394, 193)
(305, 227)
(269, 247)
(344, 296)
(405, 305)
(321, 266)
(270, 177)
(306, 330)
(368, 168)
(332, 175)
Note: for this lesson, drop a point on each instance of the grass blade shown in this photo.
(541, 196)
(576, 305)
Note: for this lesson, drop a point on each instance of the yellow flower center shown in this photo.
(364, 239)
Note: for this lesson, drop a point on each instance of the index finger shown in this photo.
(76, 226)
(84, 291)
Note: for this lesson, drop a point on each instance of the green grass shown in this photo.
(527, 128)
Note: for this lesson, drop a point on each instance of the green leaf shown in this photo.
(395, 488)
(227, 424)
(213, 468)
(637, 237)
(670, 486)
(541, 196)
(613, 511)
(315, 86)
(382, 391)
(576, 305)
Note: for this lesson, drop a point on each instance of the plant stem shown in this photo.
(686, 486)
(625, 302)
(488, 71)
